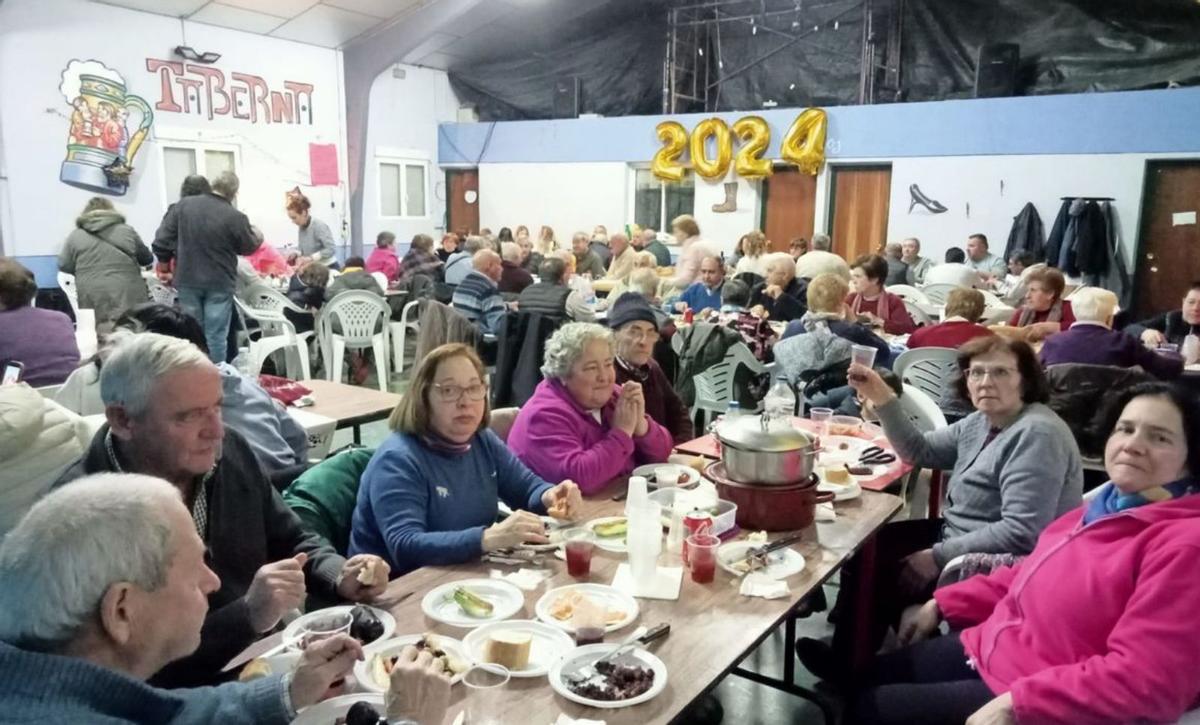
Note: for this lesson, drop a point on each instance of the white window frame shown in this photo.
(631, 203)
(402, 162)
(170, 196)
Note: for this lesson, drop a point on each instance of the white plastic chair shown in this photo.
(67, 283)
(714, 386)
(408, 322)
(936, 293)
(363, 321)
(919, 316)
(930, 369)
(927, 417)
(276, 332)
(908, 293)
(161, 293)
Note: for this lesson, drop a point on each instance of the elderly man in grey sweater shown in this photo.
(1014, 464)
(85, 619)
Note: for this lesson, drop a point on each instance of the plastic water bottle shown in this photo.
(780, 402)
(733, 411)
(242, 361)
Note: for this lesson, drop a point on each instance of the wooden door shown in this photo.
(1168, 256)
(859, 207)
(463, 203)
(789, 206)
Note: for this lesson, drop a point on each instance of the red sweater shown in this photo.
(947, 334)
(1098, 624)
(887, 306)
(1068, 317)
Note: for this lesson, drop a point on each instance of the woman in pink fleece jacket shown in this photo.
(580, 424)
(1098, 624)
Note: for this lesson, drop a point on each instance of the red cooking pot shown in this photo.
(769, 508)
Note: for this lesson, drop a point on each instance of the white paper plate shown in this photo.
(364, 671)
(781, 564)
(832, 451)
(601, 594)
(841, 492)
(648, 471)
(506, 599)
(613, 544)
(549, 644)
(293, 630)
(582, 656)
(324, 713)
(554, 530)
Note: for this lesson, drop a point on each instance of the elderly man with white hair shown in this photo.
(478, 297)
(513, 276)
(162, 402)
(918, 266)
(1092, 341)
(819, 260)
(781, 295)
(623, 255)
(87, 618)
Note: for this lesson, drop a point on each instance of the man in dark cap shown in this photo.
(635, 329)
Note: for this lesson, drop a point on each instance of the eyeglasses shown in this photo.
(997, 374)
(454, 393)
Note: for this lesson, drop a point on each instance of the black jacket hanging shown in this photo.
(1027, 233)
(1057, 233)
(1091, 241)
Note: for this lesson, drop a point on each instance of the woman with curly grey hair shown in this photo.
(579, 424)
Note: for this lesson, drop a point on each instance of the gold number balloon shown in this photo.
(665, 164)
(756, 135)
(717, 167)
(804, 144)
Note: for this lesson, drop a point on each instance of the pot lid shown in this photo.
(748, 432)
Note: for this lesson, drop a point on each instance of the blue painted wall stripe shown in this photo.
(1161, 121)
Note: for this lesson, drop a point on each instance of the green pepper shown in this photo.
(612, 529)
(473, 604)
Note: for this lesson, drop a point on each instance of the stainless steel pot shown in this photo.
(769, 455)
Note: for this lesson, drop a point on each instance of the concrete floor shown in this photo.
(744, 702)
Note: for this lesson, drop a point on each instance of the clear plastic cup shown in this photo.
(863, 355)
(702, 557)
(578, 544)
(821, 417)
(486, 684)
(323, 627)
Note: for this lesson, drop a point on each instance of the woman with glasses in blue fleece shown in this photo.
(429, 495)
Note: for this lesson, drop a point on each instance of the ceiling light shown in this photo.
(754, 30)
(700, 51)
(792, 87)
(189, 53)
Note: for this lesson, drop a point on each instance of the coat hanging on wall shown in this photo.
(1027, 233)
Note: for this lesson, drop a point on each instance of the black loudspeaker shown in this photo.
(996, 70)
(566, 97)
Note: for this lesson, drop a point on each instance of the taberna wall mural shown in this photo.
(108, 125)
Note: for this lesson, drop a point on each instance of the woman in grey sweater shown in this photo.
(1014, 465)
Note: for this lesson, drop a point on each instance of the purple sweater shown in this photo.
(558, 439)
(44, 340)
(1098, 345)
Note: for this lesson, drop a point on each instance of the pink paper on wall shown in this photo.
(323, 164)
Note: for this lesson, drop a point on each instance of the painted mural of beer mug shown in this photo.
(101, 144)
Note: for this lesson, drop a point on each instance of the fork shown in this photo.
(640, 636)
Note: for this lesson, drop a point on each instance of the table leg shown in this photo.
(789, 657)
(864, 594)
(357, 430)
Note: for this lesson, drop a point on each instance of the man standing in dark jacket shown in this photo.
(636, 330)
(204, 234)
(162, 400)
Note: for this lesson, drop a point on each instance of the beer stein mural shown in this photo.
(108, 126)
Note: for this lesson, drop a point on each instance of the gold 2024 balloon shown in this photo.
(755, 135)
(804, 144)
(665, 164)
(715, 168)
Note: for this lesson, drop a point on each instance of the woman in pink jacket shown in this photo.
(1098, 624)
(580, 424)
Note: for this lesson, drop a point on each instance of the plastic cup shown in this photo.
(702, 557)
(579, 544)
(863, 355)
(821, 417)
(324, 627)
(486, 684)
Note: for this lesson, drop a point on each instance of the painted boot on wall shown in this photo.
(730, 203)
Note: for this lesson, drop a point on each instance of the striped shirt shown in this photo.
(478, 299)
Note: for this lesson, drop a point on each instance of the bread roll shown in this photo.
(510, 649)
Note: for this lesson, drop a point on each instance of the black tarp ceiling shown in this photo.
(1067, 46)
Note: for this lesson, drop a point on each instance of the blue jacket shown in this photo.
(700, 298)
(419, 507)
(57, 690)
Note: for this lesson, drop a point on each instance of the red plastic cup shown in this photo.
(696, 522)
(702, 559)
(579, 544)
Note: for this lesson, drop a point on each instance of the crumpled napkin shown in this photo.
(564, 719)
(824, 512)
(757, 584)
(527, 579)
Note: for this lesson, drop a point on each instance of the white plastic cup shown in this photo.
(863, 355)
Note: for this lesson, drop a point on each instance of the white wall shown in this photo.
(723, 229)
(403, 122)
(38, 38)
(568, 197)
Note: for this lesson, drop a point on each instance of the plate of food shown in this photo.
(360, 709)
(557, 606)
(267, 666)
(668, 474)
(472, 602)
(374, 673)
(634, 678)
(554, 532)
(526, 648)
(610, 533)
(781, 563)
(839, 481)
(367, 624)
